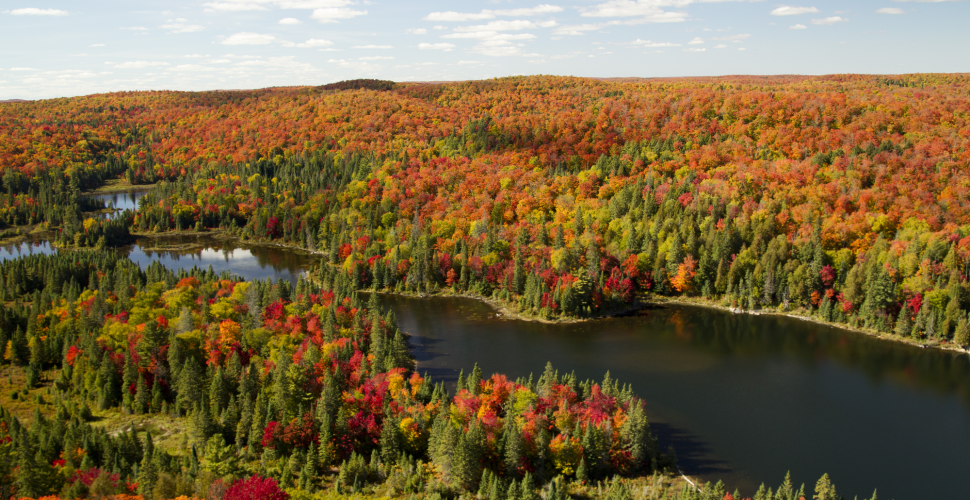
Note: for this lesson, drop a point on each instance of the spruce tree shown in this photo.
(147, 471)
(129, 379)
(961, 336)
(903, 324)
(390, 441)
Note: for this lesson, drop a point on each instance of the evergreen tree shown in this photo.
(147, 471)
(961, 336)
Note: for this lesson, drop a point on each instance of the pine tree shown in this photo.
(473, 380)
(513, 448)
(961, 336)
(903, 324)
(824, 489)
(389, 442)
(35, 476)
(129, 380)
(466, 464)
(636, 433)
(147, 472)
(142, 396)
(528, 488)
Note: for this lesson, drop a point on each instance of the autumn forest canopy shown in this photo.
(844, 198)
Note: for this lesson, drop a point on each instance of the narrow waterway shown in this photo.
(741, 398)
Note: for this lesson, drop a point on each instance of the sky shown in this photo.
(56, 48)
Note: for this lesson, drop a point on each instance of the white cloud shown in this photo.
(490, 35)
(22, 69)
(417, 31)
(436, 46)
(890, 10)
(191, 67)
(33, 11)
(649, 10)
(135, 28)
(375, 58)
(248, 38)
(313, 42)
(311, 4)
(138, 64)
(798, 27)
(695, 50)
(733, 38)
(457, 16)
(290, 20)
(497, 48)
(179, 26)
(720, 46)
(332, 14)
(372, 47)
(468, 62)
(506, 26)
(231, 6)
(788, 10)
(491, 14)
(697, 40)
(650, 44)
(97, 45)
(828, 21)
(218, 61)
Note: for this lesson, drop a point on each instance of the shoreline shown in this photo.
(641, 303)
(841, 326)
(118, 186)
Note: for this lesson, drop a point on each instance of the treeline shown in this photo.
(362, 83)
(649, 232)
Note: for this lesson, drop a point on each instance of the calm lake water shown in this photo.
(250, 262)
(741, 398)
(121, 201)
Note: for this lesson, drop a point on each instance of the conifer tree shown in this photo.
(147, 471)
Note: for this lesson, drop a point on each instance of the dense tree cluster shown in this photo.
(362, 83)
(287, 384)
(837, 196)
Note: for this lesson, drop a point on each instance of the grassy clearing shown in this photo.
(167, 431)
(120, 185)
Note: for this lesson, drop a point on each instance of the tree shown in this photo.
(255, 488)
(824, 489)
(390, 441)
(903, 324)
(961, 336)
(466, 467)
(147, 472)
(35, 476)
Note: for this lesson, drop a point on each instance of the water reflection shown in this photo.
(742, 398)
(250, 262)
(120, 201)
(186, 252)
(16, 250)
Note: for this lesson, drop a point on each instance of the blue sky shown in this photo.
(53, 48)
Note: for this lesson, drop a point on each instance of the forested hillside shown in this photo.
(252, 390)
(842, 196)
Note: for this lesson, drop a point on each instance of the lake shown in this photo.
(742, 398)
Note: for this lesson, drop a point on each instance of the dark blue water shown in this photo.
(741, 398)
